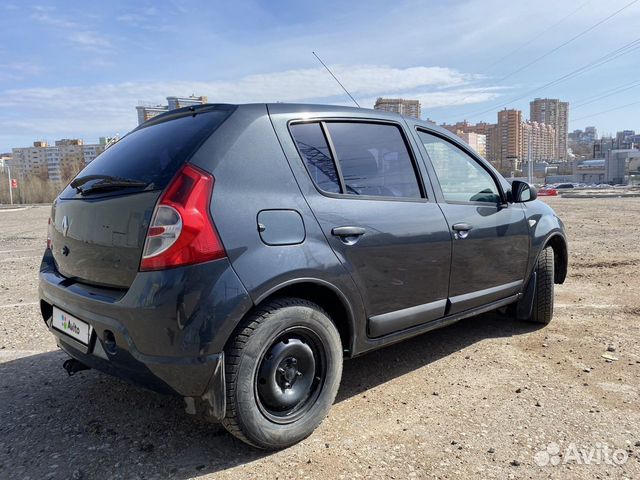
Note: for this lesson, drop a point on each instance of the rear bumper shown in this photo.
(169, 327)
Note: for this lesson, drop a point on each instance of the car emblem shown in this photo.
(65, 251)
(65, 226)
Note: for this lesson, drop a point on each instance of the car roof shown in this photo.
(353, 112)
(301, 109)
(306, 110)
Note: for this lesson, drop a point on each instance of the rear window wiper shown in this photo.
(104, 182)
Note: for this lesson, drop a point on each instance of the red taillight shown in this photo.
(181, 230)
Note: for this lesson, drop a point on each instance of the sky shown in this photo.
(78, 69)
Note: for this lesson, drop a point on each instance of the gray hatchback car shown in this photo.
(235, 254)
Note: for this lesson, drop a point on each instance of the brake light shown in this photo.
(181, 230)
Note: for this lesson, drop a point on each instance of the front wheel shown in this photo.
(542, 311)
(283, 370)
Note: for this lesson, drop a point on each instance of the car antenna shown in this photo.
(336, 79)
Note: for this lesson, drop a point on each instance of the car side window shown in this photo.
(461, 177)
(374, 159)
(317, 156)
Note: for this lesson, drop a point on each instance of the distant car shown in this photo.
(547, 192)
(564, 185)
(234, 254)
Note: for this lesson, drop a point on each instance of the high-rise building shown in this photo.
(146, 112)
(488, 130)
(509, 139)
(55, 162)
(31, 160)
(538, 142)
(555, 113)
(408, 108)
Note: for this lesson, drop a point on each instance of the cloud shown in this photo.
(54, 21)
(89, 39)
(449, 98)
(138, 17)
(106, 108)
(15, 71)
(74, 32)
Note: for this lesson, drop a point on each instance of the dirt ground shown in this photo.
(486, 398)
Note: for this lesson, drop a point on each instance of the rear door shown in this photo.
(490, 235)
(365, 188)
(98, 227)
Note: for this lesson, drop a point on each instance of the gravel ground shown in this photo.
(486, 398)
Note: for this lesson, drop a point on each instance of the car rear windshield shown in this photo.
(153, 154)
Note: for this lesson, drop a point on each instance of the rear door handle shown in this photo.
(462, 230)
(348, 231)
(462, 227)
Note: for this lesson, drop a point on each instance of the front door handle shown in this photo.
(462, 230)
(348, 231)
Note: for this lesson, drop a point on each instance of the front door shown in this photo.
(490, 236)
(365, 190)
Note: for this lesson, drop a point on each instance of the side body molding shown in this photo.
(380, 325)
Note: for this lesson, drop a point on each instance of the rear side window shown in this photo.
(373, 159)
(315, 151)
(153, 154)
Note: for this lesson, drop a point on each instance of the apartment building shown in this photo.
(408, 108)
(477, 141)
(55, 162)
(488, 130)
(552, 111)
(31, 160)
(180, 102)
(510, 140)
(538, 142)
(146, 112)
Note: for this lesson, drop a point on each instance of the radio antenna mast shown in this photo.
(336, 79)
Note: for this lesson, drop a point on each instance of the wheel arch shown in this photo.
(325, 295)
(561, 255)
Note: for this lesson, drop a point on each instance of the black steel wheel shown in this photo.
(283, 369)
(291, 375)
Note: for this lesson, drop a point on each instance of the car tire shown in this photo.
(282, 372)
(542, 311)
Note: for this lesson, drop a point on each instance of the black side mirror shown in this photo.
(522, 192)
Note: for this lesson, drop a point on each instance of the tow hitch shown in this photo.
(73, 366)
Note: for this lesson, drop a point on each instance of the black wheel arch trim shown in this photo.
(558, 242)
(345, 302)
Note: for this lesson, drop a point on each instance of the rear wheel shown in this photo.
(542, 311)
(283, 369)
